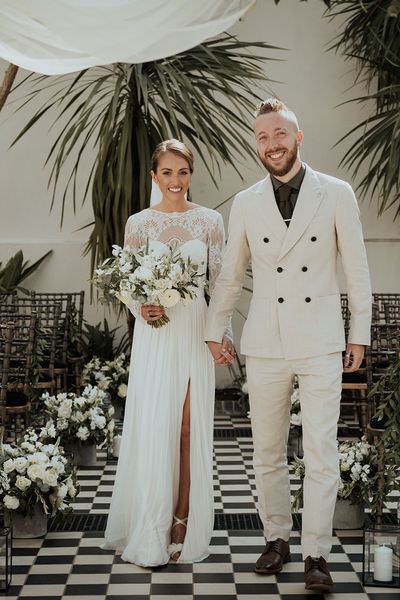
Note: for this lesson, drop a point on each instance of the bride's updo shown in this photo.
(176, 147)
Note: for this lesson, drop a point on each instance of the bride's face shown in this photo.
(172, 176)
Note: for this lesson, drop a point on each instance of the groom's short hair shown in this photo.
(274, 105)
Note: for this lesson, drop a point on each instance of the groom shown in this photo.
(292, 226)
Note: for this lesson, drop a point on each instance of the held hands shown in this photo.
(151, 312)
(223, 353)
(353, 357)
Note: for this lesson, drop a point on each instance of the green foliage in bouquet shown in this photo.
(35, 471)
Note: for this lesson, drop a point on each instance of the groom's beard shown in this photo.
(288, 161)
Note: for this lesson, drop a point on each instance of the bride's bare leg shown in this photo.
(182, 508)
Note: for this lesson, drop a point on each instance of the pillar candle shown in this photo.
(383, 570)
(116, 445)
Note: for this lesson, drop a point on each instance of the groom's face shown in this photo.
(278, 141)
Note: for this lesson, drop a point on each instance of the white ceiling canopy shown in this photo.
(61, 36)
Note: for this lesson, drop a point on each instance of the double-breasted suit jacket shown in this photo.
(295, 308)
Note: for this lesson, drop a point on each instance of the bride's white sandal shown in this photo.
(176, 548)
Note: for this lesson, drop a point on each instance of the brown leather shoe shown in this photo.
(317, 574)
(275, 555)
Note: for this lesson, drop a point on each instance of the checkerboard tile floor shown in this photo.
(70, 565)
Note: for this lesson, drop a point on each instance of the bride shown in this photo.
(162, 503)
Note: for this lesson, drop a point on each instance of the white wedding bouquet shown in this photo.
(33, 472)
(149, 277)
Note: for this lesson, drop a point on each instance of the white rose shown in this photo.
(79, 403)
(143, 273)
(39, 457)
(11, 502)
(8, 466)
(122, 390)
(58, 464)
(35, 471)
(20, 464)
(98, 422)
(28, 446)
(50, 477)
(82, 433)
(64, 412)
(170, 298)
(22, 482)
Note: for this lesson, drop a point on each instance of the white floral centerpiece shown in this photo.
(34, 472)
(149, 277)
(87, 418)
(358, 473)
(110, 376)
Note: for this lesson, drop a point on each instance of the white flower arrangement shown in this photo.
(85, 418)
(35, 472)
(358, 472)
(110, 376)
(149, 277)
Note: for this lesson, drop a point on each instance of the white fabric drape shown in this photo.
(62, 36)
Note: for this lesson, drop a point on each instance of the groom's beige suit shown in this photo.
(295, 327)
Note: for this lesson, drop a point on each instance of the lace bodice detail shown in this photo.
(198, 233)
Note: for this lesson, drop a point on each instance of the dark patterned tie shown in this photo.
(285, 206)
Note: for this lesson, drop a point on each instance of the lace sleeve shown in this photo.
(132, 239)
(216, 245)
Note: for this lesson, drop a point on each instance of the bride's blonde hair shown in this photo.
(176, 147)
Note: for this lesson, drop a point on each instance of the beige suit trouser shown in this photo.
(270, 385)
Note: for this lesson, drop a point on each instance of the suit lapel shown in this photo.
(308, 201)
(269, 208)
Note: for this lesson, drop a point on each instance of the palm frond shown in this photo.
(205, 95)
(371, 34)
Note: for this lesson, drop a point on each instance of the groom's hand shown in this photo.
(353, 357)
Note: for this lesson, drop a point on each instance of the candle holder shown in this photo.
(381, 555)
(5, 558)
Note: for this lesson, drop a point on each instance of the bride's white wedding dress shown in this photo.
(164, 361)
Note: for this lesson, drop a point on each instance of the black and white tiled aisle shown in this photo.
(68, 563)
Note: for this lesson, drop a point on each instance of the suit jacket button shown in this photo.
(304, 269)
(308, 299)
(281, 300)
(314, 238)
(279, 269)
(266, 240)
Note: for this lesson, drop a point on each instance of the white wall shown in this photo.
(310, 79)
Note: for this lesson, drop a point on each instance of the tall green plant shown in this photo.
(16, 270)
(371, 35)
(205, 95)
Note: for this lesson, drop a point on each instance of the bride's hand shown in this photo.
(151, 312)
(228, 350)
